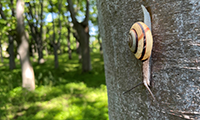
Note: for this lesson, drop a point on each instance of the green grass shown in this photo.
(61, 94)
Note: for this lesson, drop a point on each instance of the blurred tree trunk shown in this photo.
(28, 78)
(1, 51)
(11, 43)
(53, 42)
(40, 48)
(55, 45)
(45, 45)
(99, 39)
(78, 48)
(175, 60)
(83, 33)
(35, 31)
(11, 35)
(4, 17)
(100, 44)
(11, 52)
(68, 43)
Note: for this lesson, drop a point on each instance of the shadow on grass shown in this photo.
(63, 93)
(73, 101)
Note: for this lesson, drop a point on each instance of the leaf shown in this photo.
(2, 21)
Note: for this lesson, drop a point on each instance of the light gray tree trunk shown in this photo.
(175, 59)
(28, 78)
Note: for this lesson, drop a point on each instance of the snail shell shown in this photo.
(140, 41)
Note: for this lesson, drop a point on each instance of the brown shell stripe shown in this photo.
(136, 37)
(145, 31)
(144, 47)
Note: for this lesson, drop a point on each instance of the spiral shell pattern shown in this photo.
(140, 41)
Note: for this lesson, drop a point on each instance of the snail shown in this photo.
(141, 43)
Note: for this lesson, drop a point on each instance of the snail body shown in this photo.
(141, 43)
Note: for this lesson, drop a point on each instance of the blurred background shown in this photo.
(51, 61)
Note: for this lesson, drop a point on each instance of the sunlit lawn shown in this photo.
(61, 94)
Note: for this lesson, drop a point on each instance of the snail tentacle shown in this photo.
(133, 88)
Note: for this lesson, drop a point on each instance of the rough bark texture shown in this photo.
(175, 59)
(28, 78)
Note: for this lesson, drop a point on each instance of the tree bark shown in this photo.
(83, 33)
(28, 78)
(175, 59)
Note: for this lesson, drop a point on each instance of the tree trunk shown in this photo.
(78, 48)
(28, 78)
(83, 33)
(1, 51)
(78, 51)
(100, 44)
(10, 38)
(35, 31)
(11, 43)
(11, 53)
(40, 50)
(85, 50)
(175, 60)
(40, 44)
(45, 46)
(53, 42)
(68, 43)
(55, 56)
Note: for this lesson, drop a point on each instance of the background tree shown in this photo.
(175, 59)
(55, 44)
(10, 30)
(28, 78)
(34, 17)
(83, 33)
(68, 42)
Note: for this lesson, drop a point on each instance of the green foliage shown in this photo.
(2, 21)
(7, 24)
(95, 46)
(61, 94)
